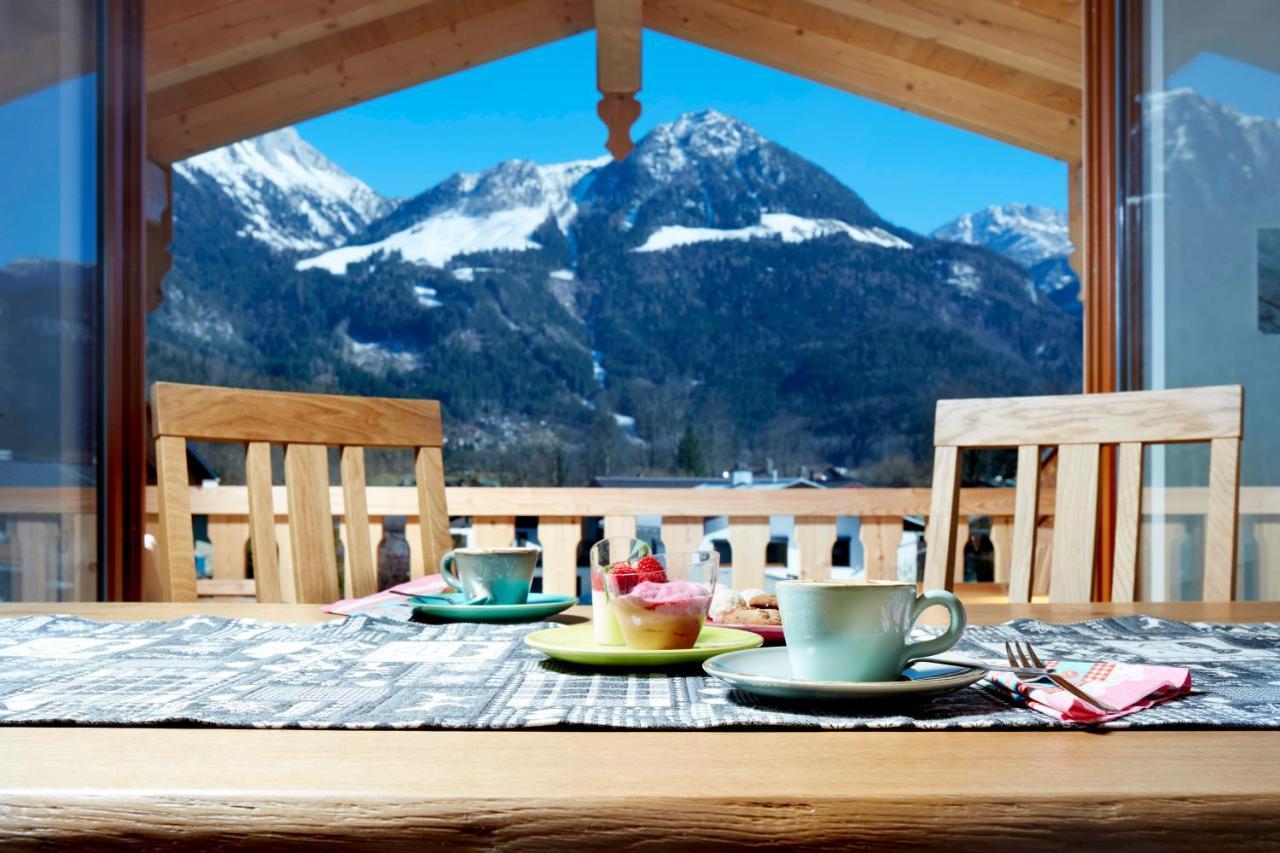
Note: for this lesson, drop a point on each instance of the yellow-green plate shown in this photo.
(576, 644)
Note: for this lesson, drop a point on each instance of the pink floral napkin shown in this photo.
(1127, 686)
(390, 603)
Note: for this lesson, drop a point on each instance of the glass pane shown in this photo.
(1206, 202)
(49, 301)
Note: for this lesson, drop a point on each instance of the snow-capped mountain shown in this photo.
(704, 177)
(711, 276)
(1036, 237)
(1025, 233)
(497, 209)
(292, 198)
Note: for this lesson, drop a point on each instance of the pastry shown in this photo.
(752, 616)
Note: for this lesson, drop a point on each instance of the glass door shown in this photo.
(51, 298)
(1201, 228)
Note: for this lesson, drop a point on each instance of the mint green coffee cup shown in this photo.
(848, 631)
(491, 575)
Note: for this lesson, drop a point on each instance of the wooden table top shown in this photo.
(550, 790)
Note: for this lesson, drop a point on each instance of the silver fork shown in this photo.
(1026, 656)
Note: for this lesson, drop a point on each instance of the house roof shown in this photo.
(703, 483)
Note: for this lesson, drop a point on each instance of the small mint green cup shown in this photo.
(491, 575)
(847, 631)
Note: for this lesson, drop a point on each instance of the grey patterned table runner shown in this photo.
(363, 673)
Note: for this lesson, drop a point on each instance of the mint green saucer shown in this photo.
(576, 644)
(767, 672)
(539, 606)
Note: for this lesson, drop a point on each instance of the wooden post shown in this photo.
(559, 536)
(1098, 279)
(880, 536)
(749, 539)
(618, 25)
(815, 538)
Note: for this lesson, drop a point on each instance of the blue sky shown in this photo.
(540, 105)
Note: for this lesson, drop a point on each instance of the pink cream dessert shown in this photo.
(663, 615)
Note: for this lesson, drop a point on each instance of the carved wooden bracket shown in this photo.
(618, 27)
(619, 112)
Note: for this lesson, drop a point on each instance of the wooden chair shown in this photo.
(306, 424)
(1079, 426)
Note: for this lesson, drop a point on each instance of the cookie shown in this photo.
(752, 616)
(763, 601)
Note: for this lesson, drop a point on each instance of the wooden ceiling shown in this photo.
(223, 70)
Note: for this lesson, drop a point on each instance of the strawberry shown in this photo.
(620, 568)
(652, 569)
(646, 568)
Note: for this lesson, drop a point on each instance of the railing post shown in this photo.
(559, 536)
(815, 537)
(682, 533)
(880, 536)
(962, 539)
(749, 537)
(413, 535)
(1266, 535)
(497, 531)
(623, 526)
(1002, 547)
(227, 535)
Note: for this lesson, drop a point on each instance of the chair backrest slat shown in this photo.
(1075, 522)
(1124, 565)
(940, 535)
(267, 577)
(315, 565)
(1220, 528)
(361, 573)
(299, 565)
(177, 543)
(1080, 425)
(429, 468)
(1026, 515)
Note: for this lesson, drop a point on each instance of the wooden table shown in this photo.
(554, 790)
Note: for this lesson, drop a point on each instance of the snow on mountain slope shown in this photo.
(1024, 233)
(498, 209)
(792, 229)
(292, 197)
(435, 241)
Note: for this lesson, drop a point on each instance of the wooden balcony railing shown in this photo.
(49, 532)
(560, 511)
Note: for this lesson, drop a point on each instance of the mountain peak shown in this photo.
(703, 135)
(294, 198)
(1026, 233)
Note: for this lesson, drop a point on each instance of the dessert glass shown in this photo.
(666, 608)
(606, 552)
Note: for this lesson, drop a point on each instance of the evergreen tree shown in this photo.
(689, 454)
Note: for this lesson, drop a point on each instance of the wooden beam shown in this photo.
(350, 67)
(618, 26)
(883, 65)
(990, 29)
(1070, 11)
(222, 35)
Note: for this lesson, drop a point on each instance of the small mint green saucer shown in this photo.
(539, 606)
(767, 672)
(576, 644)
